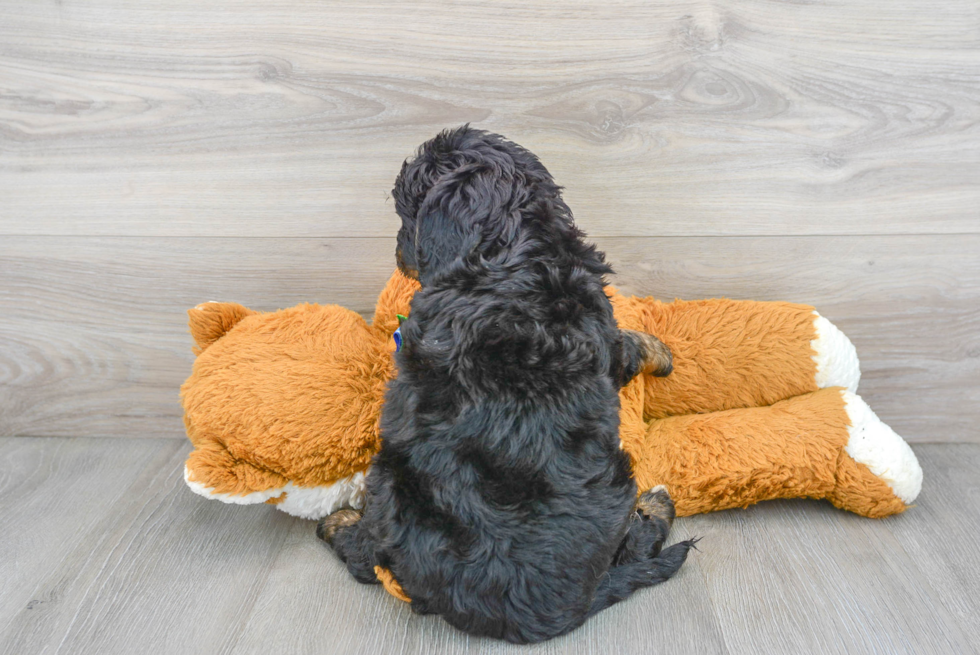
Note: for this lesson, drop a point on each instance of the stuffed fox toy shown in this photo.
(284, 407)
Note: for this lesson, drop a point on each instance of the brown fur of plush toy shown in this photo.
(284, 407)
(265, 406)
(744, 468)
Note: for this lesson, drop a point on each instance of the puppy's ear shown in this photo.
(440, 240)
(471, 209)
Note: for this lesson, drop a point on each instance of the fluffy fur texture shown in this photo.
(329, 369)
(500, 498)
(748, 414)
(727, 354)
(810, 461)
(254, 408)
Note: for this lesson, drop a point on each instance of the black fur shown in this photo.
(501, 499)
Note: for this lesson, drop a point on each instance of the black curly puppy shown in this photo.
(501, 499)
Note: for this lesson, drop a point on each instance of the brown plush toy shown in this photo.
(284, 407)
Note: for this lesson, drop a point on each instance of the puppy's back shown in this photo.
(501, 442)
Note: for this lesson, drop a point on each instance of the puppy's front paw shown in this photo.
(328, 526)
(657, 358)
(656, 504)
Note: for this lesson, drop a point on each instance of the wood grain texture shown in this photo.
(911, 306)
(309, 586)
(154, 571)
(96, 333)
(940, 535)
(51, 493)
(835, 578)
(143, 565)
(820, 152)
(670, 118)
(96, 342)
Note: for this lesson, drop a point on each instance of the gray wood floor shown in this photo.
(103, 550)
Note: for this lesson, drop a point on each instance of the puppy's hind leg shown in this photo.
(641, 560)
(621, 581)
(329, 526)
(649, 526)
(344, 532)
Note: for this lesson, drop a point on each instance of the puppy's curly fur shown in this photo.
(501, 499)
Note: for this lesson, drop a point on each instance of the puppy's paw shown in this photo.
(328, 526)
(657, 358)
(656, 504)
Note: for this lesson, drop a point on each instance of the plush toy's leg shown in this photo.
(826, 444)
(731, 354)
(640, 562)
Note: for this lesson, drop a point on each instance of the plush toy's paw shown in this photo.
(877, 474)
(656, 503)
(328, 527)
(836, 358)
(886, 454)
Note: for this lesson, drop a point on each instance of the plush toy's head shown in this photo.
(284, 407)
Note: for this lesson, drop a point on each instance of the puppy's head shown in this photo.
(462, 196)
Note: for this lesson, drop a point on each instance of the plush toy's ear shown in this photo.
(210, 321)
(395, 298)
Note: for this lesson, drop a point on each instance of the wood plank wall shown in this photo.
(156, 155)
